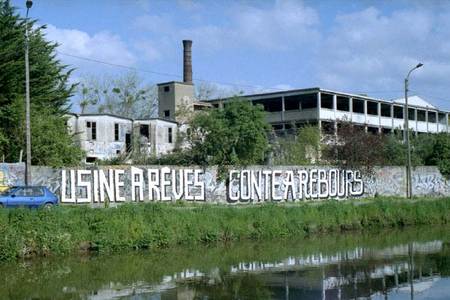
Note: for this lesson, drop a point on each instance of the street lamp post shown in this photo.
(29, 3)
(408, 146)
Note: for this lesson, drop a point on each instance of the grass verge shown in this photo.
(62, 230)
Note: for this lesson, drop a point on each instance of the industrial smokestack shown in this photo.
(187, 61)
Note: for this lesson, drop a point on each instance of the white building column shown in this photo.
(415, 118)
(283, 108)
(319, 104)
(392, 118)
(446, 121)
(334, 112)
(350, 106)
(379, 116)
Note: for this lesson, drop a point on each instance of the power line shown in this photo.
(162, 73)
(198, 79)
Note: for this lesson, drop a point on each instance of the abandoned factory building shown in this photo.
(105, 136)
(325, 108)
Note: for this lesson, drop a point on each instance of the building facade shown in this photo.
(325, 108)
(106, 136)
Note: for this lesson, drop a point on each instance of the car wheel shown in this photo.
(48, 205)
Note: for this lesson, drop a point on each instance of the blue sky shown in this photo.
(351, 46)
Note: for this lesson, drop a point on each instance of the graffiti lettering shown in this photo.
(253, 185)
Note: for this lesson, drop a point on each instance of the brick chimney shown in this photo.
(187, 61)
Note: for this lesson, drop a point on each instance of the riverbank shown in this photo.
(63, 230)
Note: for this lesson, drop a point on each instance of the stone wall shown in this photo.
(116, 184)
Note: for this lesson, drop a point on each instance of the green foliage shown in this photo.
(235, 135)
(421, 149)
(441, 153)
(52, 146)
(62, 230)
(301, 149)
(49, 86)
(426, 149)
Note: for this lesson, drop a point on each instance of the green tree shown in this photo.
(355, 149)
(300, 149)
(235, 135)
(50, 90)
(126, 96)
(441, 153)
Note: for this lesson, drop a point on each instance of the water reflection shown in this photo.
(410, 264)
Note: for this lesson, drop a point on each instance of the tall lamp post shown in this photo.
(29, 3)
(408, 146)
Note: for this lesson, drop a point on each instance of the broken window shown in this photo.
(298, 102)
(421, 115)
(386, 130)
(270, 104)
(432, 117)
(277, 126)
(386, 110)
(327, 127)
(358, 106)
(144, 131)
(116, 132)
(411, 114)
(373, 130)
(442, 118)
(326, 101)
(169, 135)
(372, 108)
(398, 112)
(343, 103)
(91, 130)
(90, 159)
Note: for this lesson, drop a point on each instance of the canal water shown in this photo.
(407, 264)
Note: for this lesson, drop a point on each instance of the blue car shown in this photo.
(28, 196)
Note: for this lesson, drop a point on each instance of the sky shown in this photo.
(364, 47)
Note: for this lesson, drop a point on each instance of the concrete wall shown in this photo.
(174, 94)
(202, 185)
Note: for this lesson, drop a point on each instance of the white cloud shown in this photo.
(371, 51)
(280, 26)
(147, 50)
(103, 45)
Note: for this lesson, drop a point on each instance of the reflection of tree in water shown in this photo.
(242, 286)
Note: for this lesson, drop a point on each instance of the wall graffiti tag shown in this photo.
(96, 185)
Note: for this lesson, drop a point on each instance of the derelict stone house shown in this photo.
(105, 136)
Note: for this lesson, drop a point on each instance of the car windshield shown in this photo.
(7, 191)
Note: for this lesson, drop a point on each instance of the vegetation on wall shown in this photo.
(353, 148)
(50, 92)
(301, 148)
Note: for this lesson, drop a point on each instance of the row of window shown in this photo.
(144, 130)
(308, 101)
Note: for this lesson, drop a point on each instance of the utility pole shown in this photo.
(408, 146)
(29, 3)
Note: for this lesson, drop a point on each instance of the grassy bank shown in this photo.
(63, 230)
